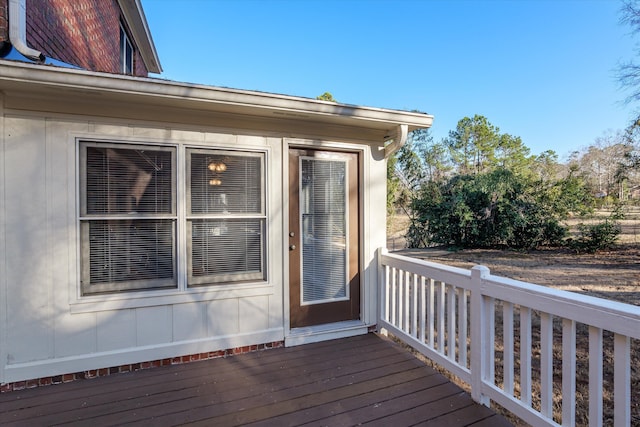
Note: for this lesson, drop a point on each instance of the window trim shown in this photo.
(226, 278)
(84, 219)
(264, 285)
(126, 63)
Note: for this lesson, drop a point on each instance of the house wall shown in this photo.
(4, 22)
(85, 33)
(47, 329)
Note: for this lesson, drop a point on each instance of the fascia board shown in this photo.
(164, 92)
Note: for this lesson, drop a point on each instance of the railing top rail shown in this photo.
(606, 314)
(452, 275)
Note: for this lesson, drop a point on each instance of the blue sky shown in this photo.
(543, 70)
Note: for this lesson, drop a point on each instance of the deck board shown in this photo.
(360, 380)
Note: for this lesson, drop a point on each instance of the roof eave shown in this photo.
(223, 99)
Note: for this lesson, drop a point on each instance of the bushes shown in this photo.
(501, 209)
(594, 237)
(485, 210)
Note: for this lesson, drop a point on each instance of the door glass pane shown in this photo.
(323, 224)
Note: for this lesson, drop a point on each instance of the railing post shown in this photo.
(382, 286)
(479, 344)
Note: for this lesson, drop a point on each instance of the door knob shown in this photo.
(292, 247)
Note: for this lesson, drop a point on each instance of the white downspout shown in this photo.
(399, 138)
(18, 30)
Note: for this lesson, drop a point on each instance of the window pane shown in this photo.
(128, 181)
(324, 235)
(225, 184)
(225, 250)
(130, 251)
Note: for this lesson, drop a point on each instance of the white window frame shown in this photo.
(347, 243)
(126, 53)
(84, 302)
(221, 217)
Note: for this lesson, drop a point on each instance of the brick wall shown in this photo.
(4, 20)
(85, 33)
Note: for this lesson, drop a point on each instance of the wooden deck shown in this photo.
(361, 380)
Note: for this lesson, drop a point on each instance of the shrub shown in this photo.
(493, 209)
(595, 237)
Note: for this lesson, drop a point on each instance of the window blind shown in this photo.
(226, 223)
(127, 218)
(323, 215)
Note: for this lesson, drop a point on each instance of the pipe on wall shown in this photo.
(18, 30)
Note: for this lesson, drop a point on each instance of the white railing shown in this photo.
(551, 344)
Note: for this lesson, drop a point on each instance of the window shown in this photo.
(126, 53)
(130, 215)
(225, 216)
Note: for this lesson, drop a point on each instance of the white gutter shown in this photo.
(18, 30)
(399, 139)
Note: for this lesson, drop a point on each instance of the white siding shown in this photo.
(47, 329)
(189, 321)
(28, 260)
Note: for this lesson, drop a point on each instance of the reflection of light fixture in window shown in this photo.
(217, 167)
(215, 181)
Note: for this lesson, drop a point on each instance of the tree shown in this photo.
(406, 170)
(472, 144)
(628, 73)
(326, 97)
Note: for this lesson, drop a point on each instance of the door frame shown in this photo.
(308, 334)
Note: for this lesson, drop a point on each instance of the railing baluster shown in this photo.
(394, 286)
(622, 381)
(414, 315)
(441, 315)
(387, 275)
(568, 372)
(451, 322)
(424, 312)
(431, 313)
(595, 376)
(490, 334)
(546, 364)
(525, 355)
(400, 299)
(507, 336)
(407, 302)
(462, 327)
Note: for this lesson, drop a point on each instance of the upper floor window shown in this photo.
(126, 53)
